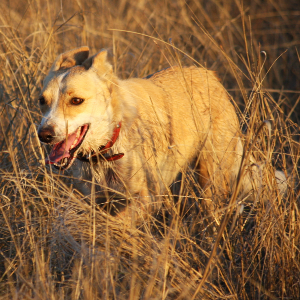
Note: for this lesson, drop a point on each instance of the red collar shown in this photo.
(102, 151)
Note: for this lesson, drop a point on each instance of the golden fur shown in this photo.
(169, 120)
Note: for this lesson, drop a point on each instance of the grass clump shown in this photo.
(53, 245)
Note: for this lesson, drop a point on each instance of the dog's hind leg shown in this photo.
(214, 185)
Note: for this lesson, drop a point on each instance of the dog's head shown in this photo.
(79, 105)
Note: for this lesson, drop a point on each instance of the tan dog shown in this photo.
(134, 136)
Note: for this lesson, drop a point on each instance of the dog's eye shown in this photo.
(76, 101)
(42, 100)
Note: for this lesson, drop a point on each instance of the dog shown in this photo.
(135, 136)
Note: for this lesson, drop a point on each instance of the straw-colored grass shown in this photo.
(55, 245)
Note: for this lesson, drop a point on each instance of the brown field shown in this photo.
(54, 245)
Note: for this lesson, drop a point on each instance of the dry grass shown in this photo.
(55, 246)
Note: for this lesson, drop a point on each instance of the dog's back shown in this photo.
(186, 114)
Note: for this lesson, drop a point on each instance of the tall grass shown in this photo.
(54, 245)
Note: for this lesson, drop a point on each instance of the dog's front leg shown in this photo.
(140, 206)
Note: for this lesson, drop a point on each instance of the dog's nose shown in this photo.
(46, 135)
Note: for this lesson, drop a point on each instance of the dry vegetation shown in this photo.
(54, 245)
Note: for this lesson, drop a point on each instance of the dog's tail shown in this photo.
(253, 177)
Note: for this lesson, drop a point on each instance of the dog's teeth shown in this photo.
(78, 133)
(76, 138)
(62, 163)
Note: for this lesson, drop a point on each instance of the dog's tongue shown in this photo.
(61, 150)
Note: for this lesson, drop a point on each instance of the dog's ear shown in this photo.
(71, 58)
(100, 63)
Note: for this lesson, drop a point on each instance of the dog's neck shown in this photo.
(101, 154)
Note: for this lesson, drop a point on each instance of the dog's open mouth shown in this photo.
(64, 153)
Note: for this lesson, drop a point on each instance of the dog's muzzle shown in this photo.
(64, 152)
